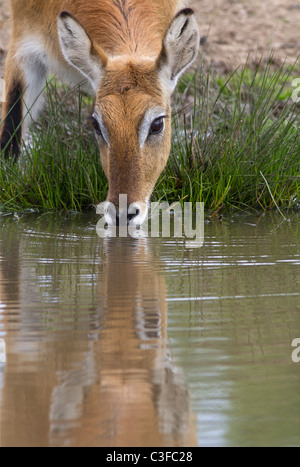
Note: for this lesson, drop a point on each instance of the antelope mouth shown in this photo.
(123, 215)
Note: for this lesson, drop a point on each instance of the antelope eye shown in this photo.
(157, 126)
(95, 125)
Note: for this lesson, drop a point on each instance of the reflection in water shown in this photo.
(236, 307)
(85, 328)
(123, 342)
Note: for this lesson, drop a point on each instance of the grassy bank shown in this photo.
(235, 145)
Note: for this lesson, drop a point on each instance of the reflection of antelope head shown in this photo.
(106, 380)
(130, 53)
(140, 398)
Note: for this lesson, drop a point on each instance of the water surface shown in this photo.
(124, 342)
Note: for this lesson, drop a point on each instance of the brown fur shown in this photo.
(126, 94)
(122, 49)
(119, 26)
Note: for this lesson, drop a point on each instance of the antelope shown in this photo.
(130, 55)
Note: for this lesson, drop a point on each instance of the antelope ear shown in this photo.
(78, 49)
(180, 47)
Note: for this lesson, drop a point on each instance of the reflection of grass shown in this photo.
(235, 144)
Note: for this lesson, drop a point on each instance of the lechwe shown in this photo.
(130, 53)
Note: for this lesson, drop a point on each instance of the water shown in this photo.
(124, 342)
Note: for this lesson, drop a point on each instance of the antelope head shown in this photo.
(132, 114)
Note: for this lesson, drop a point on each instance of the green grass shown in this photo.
(235, 145)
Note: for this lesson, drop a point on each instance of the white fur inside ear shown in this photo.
(76, 48)
(180, 47)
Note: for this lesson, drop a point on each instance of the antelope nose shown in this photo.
(124, 218)
(130, 217)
